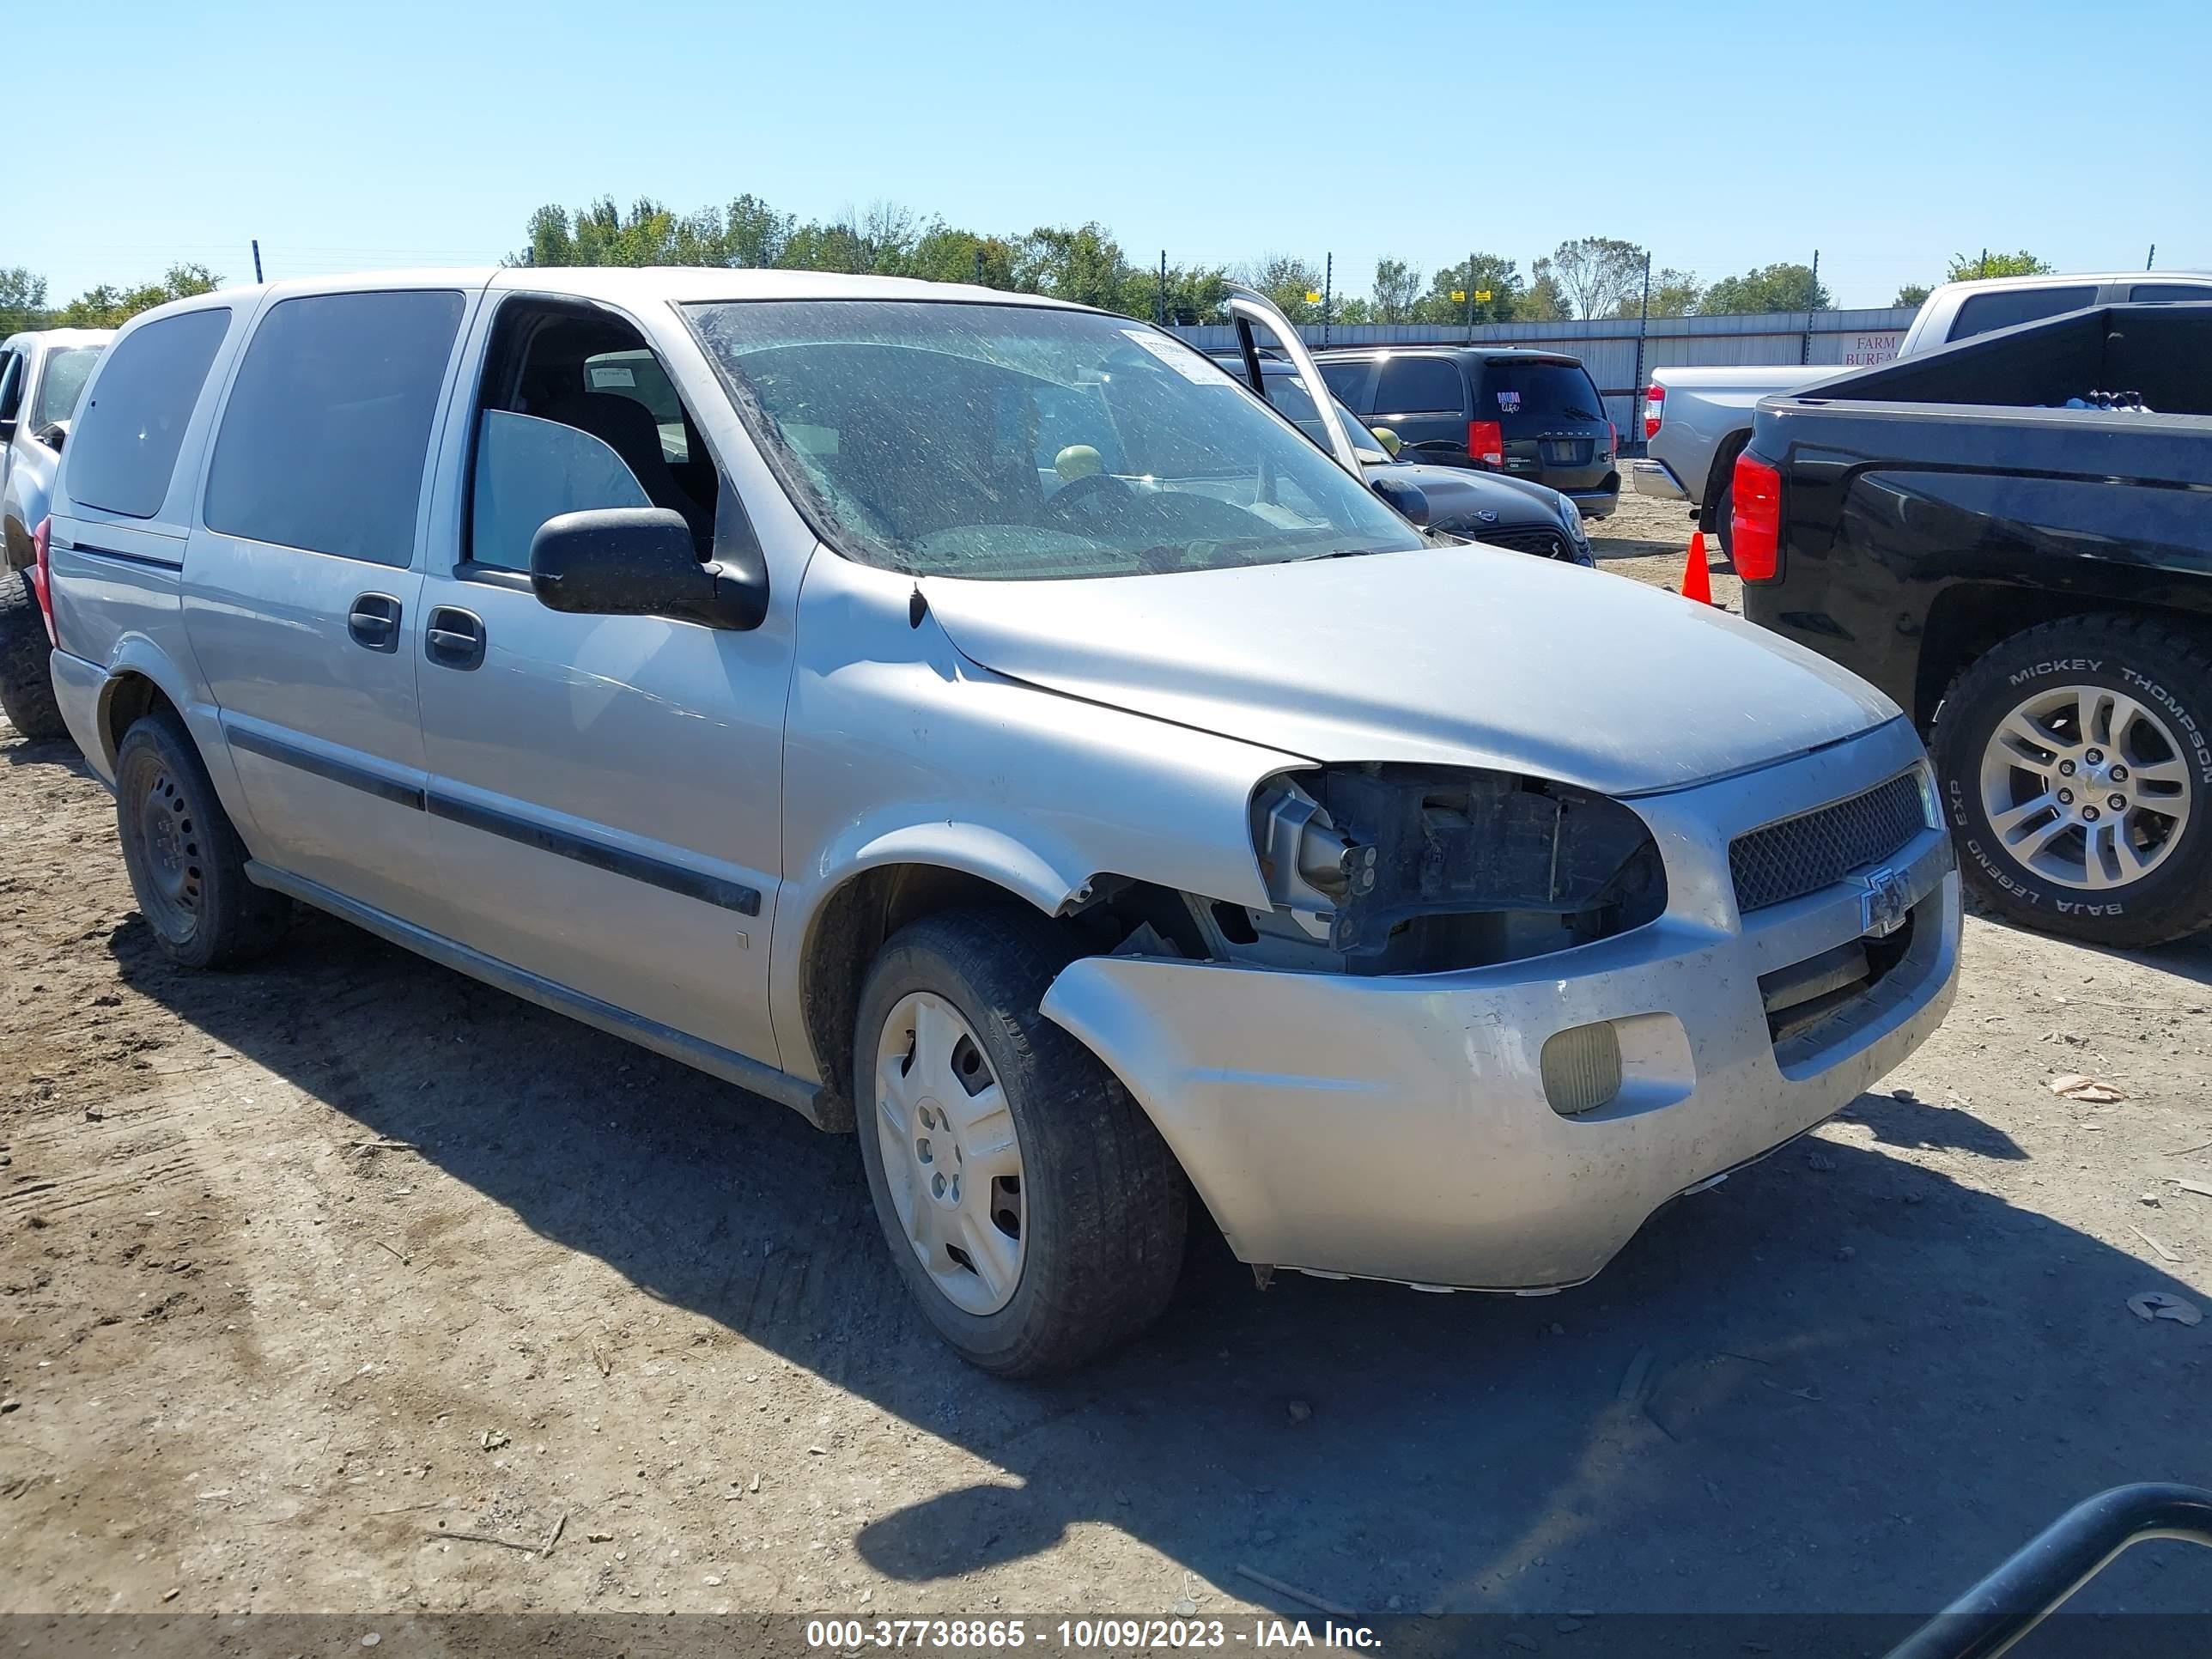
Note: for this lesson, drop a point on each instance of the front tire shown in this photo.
(2074, 763)
(186, 863)
(27, 685)
(1032, 1208)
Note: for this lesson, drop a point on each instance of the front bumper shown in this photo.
(1398, 1128)
(1657, 479)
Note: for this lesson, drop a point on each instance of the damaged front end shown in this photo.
(1406, 869)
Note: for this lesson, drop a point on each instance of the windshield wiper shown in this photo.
(1344, 553)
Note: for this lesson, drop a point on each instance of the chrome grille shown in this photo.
(1544, 544)
(1816, 849)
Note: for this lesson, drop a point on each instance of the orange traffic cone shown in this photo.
(1697, 580)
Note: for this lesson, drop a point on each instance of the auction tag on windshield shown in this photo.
(606, 374)
(1509, 403)
(1197, 369)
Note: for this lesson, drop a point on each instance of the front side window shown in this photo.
(1426, 386)
(11, 383)
(61, 383)
(327, 430)
(1022, 442)
(124, 449)
(529, 471)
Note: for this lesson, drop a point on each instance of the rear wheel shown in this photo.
(1724, 519)
(26, 686)
(2076, 767)
(187, 865)
(1031, 1207)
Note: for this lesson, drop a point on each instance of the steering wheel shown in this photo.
(1088, 488)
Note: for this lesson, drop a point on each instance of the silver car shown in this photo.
(41, 373)
(983, 723)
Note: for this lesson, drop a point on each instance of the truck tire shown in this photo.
(26, 686)
(2075, 765)
(1032, 1208)
(186, 864)
(1724, 519)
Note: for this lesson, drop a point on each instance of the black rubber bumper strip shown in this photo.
(617, 861)
(338, 771)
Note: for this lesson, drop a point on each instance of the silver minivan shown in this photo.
(983, 723)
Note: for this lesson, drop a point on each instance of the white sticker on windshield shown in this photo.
(604, 375)
(1200, 371)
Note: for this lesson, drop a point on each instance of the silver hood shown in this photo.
(1454, 656)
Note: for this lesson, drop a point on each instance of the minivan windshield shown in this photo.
(1013, 442)
(67, 370)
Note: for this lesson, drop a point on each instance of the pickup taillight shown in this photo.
(1655, 409)
(1755, 524)
(42, 574)
(1485, 443)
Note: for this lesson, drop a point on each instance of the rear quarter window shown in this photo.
(1984, 312)
(328, 427)
(124, 449)
(1424, 385)
(2169, 292)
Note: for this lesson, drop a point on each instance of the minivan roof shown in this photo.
(1488, 354)
(630, 286)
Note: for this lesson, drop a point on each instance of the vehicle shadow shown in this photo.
(1842, 1380)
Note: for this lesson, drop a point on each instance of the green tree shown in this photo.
(1478, 273)
(1081, 263)
(107, 307)
(946, 255)
(1543, 300)
(1912, 293)
(753, 233)
(1351, 312)
(22, 301)
(1967, 267)
(1286, 279)
(1780, 287)
(1397, 290)
(1673, 293)
(1194, 294)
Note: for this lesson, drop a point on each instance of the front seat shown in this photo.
(627, 426)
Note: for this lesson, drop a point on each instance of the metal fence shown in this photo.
(1621, 353)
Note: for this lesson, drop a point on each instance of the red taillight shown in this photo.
(1655, 409)
(1611, 439)
(1755, 527)
(42, 574)
(1485, 442)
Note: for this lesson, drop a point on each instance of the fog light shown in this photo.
(1581, 1067)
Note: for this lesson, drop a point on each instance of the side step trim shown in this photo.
(810, 1101)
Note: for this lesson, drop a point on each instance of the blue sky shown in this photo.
(1719, 136)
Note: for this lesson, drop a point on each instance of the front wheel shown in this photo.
(1033, 1210)
(2074, 762)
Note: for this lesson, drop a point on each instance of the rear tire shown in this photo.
(1099, 1209)
(1725, 520)
(27, 685)
(187, 865)
(2025, 744)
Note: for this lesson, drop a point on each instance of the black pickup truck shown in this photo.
(2013, 537)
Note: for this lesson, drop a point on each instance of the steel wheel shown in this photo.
(169, 855)
(950, 1155)
(2086, 786)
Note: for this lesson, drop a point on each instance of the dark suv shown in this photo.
(1533, 414)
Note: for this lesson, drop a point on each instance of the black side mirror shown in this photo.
(54, 435)
(638, 561)
(1412, 505)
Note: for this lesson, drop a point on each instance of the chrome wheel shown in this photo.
(169, 855)
(2084, 787)
(950, 1155)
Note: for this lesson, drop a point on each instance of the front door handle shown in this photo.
(454, 638)
(373, 622)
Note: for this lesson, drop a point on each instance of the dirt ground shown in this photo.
(307, 1271)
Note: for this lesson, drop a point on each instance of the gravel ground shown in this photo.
(308, 1271)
